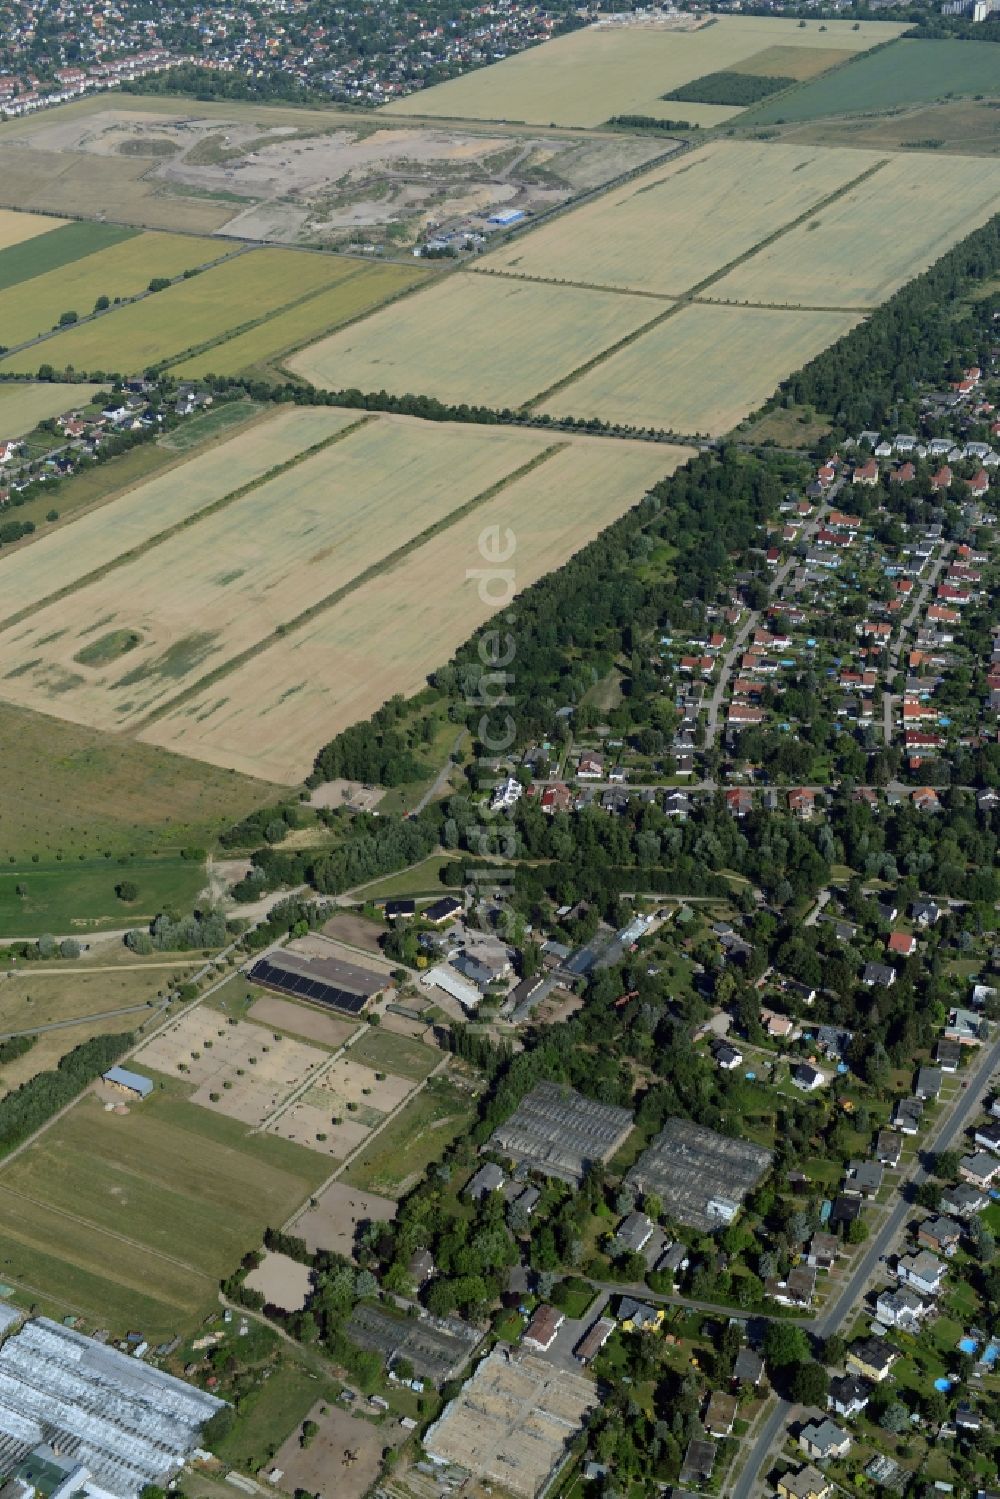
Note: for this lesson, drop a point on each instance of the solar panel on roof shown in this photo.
(303, 987)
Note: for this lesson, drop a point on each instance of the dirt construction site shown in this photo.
(323, 183)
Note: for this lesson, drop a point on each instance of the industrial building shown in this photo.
(560, 1133)
(513, 1422)
(108, 1422)
(700, 1177)
(323, 981)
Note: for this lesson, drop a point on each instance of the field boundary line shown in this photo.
(212, 508)
(693, 294)
(617, 291)
(780, 306)
(111, 1233)
(62, 1025)
(367, 575)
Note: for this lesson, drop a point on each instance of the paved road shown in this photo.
(917, 607)
(837, 1313)
(435, 790)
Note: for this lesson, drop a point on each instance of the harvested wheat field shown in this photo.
(121, 270)
(163, 327)
(272, 714)
(365, 288)
(702, 371)
(16, 227)
(114, 650)
(587, 76)
(473, 339)
(64, 556)
(667, 230)
(860, 249)
(23, 406)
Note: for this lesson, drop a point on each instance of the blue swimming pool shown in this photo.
(944, 1385)
(968, 1345)
(990, 1354)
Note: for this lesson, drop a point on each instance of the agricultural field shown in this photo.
(23, 406)
(131, 1219)
(16, 228)
(585, 77)
(364, 288)
(78, 898)
(111, 652)
(122, 270)
(70, 793)
(474, 338)
(818, 264)
(269, 715)
(398, 1155)
(910, 72)
(56, 247)
(244, 289)
(649, 235)
(712, 366)
(63, 557)
(967, 127)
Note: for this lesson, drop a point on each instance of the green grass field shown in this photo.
(157, 1205)
(387, 1052)
(266, 1418)
(421, 879)
(66, 789)
(79, 896)
(907, 72)
(213, 423)
(59, 247)
(400, 1154)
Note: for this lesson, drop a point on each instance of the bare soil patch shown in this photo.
(285, 1015)
(282, 1281)
(338, 1212)
(342, 1460)
(356, 931)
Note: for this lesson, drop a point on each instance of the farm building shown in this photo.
(437, 1347)
(121, 1424)
(512, 1422)
(131, 1083)
(322, 981)
(700, 1177)
(560, 1133)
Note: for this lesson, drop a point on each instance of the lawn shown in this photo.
(78, 896)
(400, 1154)
(51, 245)
(909, 72)
(266, 1418)
(209, 424)
(387, 1052)
(420, 879)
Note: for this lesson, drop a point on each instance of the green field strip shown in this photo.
(165, 535)
(214, 343)
(56, 248)
(92, 317)
(693, 294)
(384, 565)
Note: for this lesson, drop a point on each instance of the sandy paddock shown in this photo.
(333, 1223)
(345, 1083)
(314, 1025)
(250, 1070)
(321, 1468)
(306, 1123)
(282, 1281)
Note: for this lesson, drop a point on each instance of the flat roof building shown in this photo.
(322, 981)
(558, 1132)
(132, 1083)
(700, 1177)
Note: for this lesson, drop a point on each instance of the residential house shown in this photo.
(964, 1200)
(878, 974)
(590, 767)
(727, 1056)
(639, 1316)
(802, 802)
(634, 1232)
(797, 1289)
(543, 1328)
(489, 1178)
(594, 1340)
(925, 913)
(923, 1271)
(948, 1055)
(939, 1234)
(901, 944)
(902, 1308)
(748, 1368)
(848, 1395)
(979, 1170)
(824, 1439)
(720, 1414)
(872, 1358)
(863, 1178)
(988, 1135)
(889, 1148)
(908, 1115)
(807, 1483)
(964, 1026)
(807, 1077)
(929, 1082)
(824, 1250)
